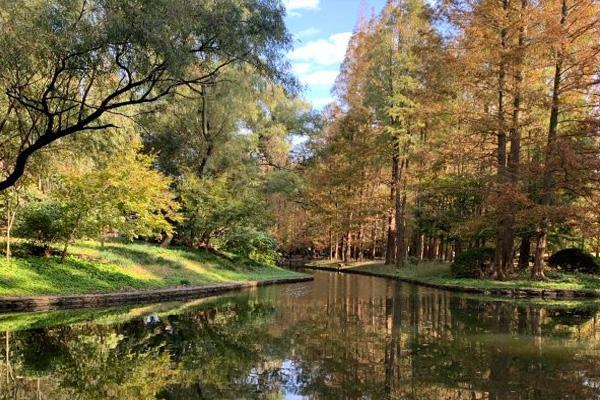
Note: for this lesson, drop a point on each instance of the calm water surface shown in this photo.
(339, 337)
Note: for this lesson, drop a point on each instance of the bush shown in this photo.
(472, 263)
(575, 260)
(256, 245)
(42, 224)
(412, 260)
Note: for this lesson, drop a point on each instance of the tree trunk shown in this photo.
(524, 251)
(348, 249)
(442, 254)
(64, 252)
(373, 240)
(10, 220)
(390, 255)
(360, 249)
(537, 272)
(330, 244)
(384, 243)
(400, 233)
(400, 207)
(205, 131)
(336, 249)
(448, 250)
(432, 241)
(414, 245)
(166, 242)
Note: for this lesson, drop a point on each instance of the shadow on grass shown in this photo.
(120, 267)
(180, 266)
(34, 276)
(145, 257)
(140, 257)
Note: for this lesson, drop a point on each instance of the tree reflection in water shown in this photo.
(339, 337)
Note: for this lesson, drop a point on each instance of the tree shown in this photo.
(222, 145)
(124, 195)
(218, 209)
(572, 30)
(69, 66)
(462, 127)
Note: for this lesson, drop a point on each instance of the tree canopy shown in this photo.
(71, 66)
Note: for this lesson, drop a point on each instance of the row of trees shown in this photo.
(472, 124)
(146, 119)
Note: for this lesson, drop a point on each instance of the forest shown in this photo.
(300, 199)
(465, 132)
(472, 129)
(153, 121)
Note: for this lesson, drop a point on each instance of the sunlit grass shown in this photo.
(93, 268)
(439, 273)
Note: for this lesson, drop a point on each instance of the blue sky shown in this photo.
(321, 30)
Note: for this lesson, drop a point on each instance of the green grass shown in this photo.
(439, 273)
(119, 266)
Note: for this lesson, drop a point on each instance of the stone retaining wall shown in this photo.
(36, 303)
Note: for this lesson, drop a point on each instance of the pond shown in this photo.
(338, 337)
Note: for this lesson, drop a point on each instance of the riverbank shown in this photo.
(437, 275)
(127, 268)
(35, 303)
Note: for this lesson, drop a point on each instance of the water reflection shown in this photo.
(339, 337)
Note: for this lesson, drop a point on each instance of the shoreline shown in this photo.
(529, 293)
(57, 302)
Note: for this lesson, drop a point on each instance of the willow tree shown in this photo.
(68, 66)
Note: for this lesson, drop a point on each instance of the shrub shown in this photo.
(412, 260)
(256, 245)
(472, 263)
(575, 260)
(43, 225)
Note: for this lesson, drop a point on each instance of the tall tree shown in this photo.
(69, 66)
(572, 30)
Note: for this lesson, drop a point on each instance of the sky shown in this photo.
(321, 30)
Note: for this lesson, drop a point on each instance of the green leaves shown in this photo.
(43, 223)
(220, 213)
(125, 196)
(68, 66)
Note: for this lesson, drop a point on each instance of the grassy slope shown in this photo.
(118, 267)
(439, 273)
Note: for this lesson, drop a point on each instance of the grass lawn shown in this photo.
(439, 273)
(120, 266)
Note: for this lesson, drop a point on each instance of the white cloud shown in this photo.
(328, 51)
(291, 5)
(301, 69)
(319, 77)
